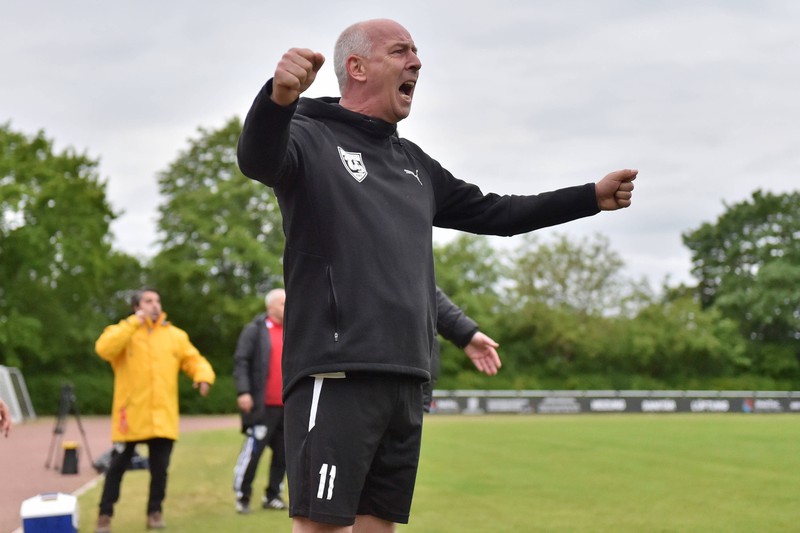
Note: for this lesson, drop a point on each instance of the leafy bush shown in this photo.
(94, 392)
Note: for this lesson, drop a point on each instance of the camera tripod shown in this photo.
(66, 405)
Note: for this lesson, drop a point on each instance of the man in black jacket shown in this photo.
(455, 326)
(257, 374)
(359, 204)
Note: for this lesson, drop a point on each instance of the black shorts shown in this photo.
(352, 447)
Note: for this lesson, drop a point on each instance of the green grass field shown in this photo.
(592, 473)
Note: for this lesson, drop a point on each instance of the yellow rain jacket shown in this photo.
(146, 359)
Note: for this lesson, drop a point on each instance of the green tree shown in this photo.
(585, 275)
(221, 242)
(567, 299)
(728, 254)
(748, 267)
(545, 340)
(676, 340)
(468, 270)
(58, 272)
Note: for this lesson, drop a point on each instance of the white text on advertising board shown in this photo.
(663, 405)
(508, 405)
(608, 405)
(559, 405)
(710, 406)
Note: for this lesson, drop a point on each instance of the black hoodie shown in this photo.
(358, 206)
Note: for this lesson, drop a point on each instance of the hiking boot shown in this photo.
(103, 524)
(155, 521)
(275, 503)
(243, 506)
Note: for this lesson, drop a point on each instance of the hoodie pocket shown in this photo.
(311, 316)
(333, 305)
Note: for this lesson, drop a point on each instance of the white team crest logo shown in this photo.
(353, 163)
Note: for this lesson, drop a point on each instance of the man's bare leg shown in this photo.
(364, 524)
(304, 525)
(369, 524)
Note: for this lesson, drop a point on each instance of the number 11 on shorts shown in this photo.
(326, 477)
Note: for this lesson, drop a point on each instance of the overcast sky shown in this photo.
(515, 96)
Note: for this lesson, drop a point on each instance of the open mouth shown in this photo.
(407, 88)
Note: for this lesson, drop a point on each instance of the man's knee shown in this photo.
(304, 525)
(368, 524)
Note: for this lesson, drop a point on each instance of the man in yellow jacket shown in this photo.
(146, 353)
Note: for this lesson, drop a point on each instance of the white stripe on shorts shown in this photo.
(312, 416)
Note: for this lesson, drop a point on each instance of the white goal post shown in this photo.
(15, 393)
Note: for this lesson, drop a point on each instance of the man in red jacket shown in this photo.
(258, 378)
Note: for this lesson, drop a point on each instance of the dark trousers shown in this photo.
(268, 432)
(159, 451)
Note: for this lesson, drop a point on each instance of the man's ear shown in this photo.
(356, 68)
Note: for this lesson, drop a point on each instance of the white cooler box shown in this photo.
(53, 512)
